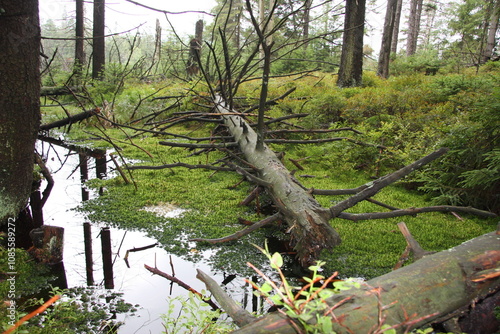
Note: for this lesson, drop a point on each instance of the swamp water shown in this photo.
(149, 293)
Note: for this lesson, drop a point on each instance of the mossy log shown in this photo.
(55, 91)
(308, 221)
(434, 289)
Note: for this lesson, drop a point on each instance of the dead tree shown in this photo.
(307, 222)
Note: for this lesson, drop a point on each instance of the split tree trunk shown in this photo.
(434, 289)
(308, 221)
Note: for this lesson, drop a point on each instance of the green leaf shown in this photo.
(325, 323)
(389, 331)
(276, 261)
(266, 288)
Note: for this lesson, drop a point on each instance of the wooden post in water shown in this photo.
(107, 261)
(89, 263)
(100, 166)
(36, 208)
(84, 175)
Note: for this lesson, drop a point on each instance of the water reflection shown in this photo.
(84, 254)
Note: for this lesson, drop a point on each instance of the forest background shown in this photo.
(444, 92)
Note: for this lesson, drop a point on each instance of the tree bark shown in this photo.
(308, 222)
(385, 49)
(395, 32)
(80, 35)
(19, 102)
(98, 41)
(351, 59)
(306, 23)
(70, 120)
(413, 26)
(433, 289)
(492, 30)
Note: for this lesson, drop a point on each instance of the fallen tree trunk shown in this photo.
(70, 120)
(308, 221)
(434, 289)
(55, 91)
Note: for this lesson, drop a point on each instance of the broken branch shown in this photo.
(240, 316)
(71, 119)
(382, 182)
(156, 271)
(414, 211)
(239, 234)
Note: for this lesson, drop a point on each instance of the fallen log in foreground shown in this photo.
(436, 288)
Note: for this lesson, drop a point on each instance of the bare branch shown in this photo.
(240, 316)
(243, 232)
(167, 12)
(188, 145)
(382, 182)
(156, 271)
(414, 211)
(182, 164)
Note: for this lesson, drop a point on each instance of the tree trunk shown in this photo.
(492, 30)
(98, 40)
(19, 102)
(307, 19)
(413, 26)
(395, 32)
(79, 34)
(351, 60)
(385, 49)
(193, 66)
(434, 289)
(308, 221)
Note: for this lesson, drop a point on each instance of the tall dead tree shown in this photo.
(195, 44)
(19, 102)
(98, 40)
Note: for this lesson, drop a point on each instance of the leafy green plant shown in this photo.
(305, 304)
(192, 315)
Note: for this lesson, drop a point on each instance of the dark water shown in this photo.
(139, 286)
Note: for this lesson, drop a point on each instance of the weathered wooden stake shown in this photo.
(100, 168)
(84, 175)
(107, 261)
(89, 262)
